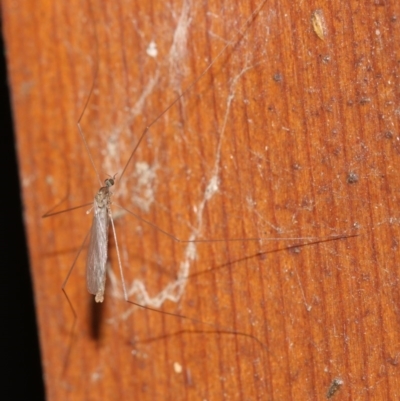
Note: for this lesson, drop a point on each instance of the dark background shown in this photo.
(21, 375)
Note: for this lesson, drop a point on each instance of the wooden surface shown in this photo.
(297, 126)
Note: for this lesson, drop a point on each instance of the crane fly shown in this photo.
(97, 255)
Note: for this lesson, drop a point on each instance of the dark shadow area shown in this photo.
(97, 319)
(22, 375)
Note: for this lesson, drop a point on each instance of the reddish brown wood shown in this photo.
(309, 146)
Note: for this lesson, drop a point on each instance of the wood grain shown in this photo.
(286, 135)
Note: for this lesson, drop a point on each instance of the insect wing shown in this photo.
(97, 253)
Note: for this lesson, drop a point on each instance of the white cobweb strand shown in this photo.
(174, 290)
(145, 188)
(212, 187)
(178, 51)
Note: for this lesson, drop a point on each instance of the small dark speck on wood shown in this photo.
(334, 387)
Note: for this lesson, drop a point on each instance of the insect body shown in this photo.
(97, 253)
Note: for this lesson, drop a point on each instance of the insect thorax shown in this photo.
(103, 197)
